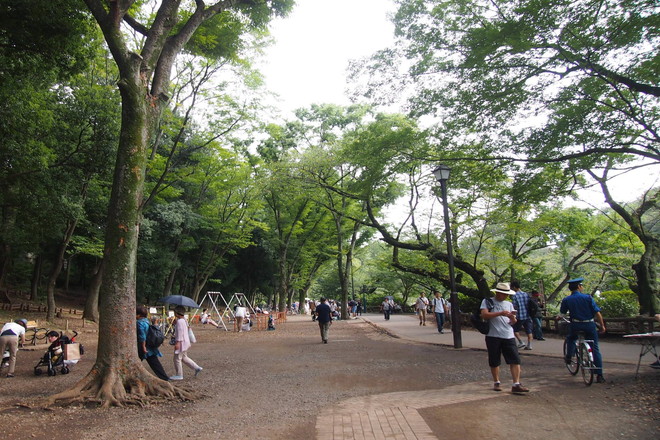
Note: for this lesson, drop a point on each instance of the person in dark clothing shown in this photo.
(583, 314)
(324, 318)
(151, 354)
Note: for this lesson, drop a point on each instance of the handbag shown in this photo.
(191, 336)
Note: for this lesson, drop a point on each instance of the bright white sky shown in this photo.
(307, 65)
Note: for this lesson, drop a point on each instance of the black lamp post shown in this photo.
(441, 174)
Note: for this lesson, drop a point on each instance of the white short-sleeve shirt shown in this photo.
(500, 326)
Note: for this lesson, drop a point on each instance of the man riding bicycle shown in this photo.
(583, 310)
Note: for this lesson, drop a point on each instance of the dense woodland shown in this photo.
(137, 160)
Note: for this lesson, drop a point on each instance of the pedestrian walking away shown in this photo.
(439, 305)
(324, 317)
(386, 308)
(500, 341)
(181, 346)
(240, 313)
(150, 354)
(524, 321)
(421, 305)
(537, 316)
(583, 314)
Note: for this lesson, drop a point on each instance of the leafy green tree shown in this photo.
(296, 225)
(118, 376)
(327, 167)
(42, 44)
(618, 303)
(543, 83)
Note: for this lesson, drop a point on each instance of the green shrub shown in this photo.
(467, 303)
(618, 304)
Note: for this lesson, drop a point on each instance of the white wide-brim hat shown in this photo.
(503, 288)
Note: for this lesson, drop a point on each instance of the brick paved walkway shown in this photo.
(396, 415)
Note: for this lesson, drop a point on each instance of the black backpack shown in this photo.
(155, 336)
(532, 308)
(477, 322)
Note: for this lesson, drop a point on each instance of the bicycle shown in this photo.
(582, 359)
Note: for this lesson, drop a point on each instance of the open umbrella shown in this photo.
(179, 300)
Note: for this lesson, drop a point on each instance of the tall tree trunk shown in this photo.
(283, 287)
(118, 375)
(171, 277)
(36, 278)
(58, 262)
(91, 311)
(67, 273)
(7, 223)
(646, 269)
(5, 256)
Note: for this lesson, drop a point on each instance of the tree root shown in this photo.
(119, 386)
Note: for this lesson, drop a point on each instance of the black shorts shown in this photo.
(527, 324)
(498, 347)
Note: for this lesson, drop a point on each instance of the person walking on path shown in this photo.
(240, 313)
(500, 340)
(12, 336)
(324, 317)
(440, 309)
(421, 305)
(312, 309)
(524, 321)
(386, 308)
(182, 345)
(583, 310)
(352, 304)
(538, 316)
(151, 354)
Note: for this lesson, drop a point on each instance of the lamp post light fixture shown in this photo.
(441, 174)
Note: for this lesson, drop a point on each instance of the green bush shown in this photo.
(618, 304)
(467, 303)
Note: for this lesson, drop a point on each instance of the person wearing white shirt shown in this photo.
(421, 305)
(440, 310)
(240, 313)
(12, 336)
(500, 340)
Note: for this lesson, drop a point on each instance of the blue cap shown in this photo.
(576, 280)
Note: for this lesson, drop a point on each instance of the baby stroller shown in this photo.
(62, 353)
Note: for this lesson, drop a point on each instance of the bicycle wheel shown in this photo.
(573, 366)
(587, 359)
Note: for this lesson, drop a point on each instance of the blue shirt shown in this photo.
(520, 303)
(323, 313)
(142, 328)
(581, 306)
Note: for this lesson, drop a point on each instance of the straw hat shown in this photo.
(503, 288)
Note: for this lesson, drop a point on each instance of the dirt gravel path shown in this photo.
(285, 384)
